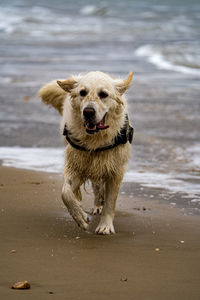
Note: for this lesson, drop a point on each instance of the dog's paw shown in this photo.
(105, 226)
(97, 210)
(80, 217)
(105, 229)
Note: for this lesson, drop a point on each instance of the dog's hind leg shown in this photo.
(99, 194)
(112, 187)
(71, 188)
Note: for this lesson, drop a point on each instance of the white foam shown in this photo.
(93, 10)
(88, 9)
(172, 182)
(39, 159)
(158, 60)
(194, 152)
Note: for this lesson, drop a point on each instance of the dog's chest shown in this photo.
(97, 165)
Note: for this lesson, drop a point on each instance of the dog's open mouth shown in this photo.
(93, 128)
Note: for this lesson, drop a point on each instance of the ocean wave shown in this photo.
(93, 10)
(156, 57)
(37, 23)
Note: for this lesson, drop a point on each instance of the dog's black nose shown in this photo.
(88, 112)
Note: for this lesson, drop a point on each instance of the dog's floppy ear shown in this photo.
(67, 85)
(123, 85)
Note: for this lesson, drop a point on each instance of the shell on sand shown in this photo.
(21, 285)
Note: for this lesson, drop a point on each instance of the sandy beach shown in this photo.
(154, 255)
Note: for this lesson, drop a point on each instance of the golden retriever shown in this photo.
(98, 135)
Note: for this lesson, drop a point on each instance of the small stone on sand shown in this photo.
(21, 285)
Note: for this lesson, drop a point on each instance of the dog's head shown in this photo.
(94, 95)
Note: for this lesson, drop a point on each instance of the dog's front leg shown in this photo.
(70, 188)
(111, 192)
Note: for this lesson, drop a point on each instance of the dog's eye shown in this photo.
(103, 95)
(83, 93)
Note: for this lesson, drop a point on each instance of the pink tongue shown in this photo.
(101, 125)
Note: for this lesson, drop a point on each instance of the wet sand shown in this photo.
(62, 262)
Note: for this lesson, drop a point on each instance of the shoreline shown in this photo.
(179, 189)
(60, 259)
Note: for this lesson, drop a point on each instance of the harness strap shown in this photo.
(125, 135)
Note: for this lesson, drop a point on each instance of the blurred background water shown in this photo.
(158, 40)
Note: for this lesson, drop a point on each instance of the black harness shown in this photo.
(125, 135)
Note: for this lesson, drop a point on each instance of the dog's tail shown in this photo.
(53, 94)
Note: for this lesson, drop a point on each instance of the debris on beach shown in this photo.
(141, 208)
(13, 251)
(157, 249)
(35, 182)
(124, 279)
(182, 242)
(21, 285)
(136, 208)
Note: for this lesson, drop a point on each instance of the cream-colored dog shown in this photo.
(96, 127)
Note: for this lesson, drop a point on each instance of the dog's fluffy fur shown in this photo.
(74, 98)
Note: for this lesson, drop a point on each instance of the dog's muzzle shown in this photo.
(90, 124)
